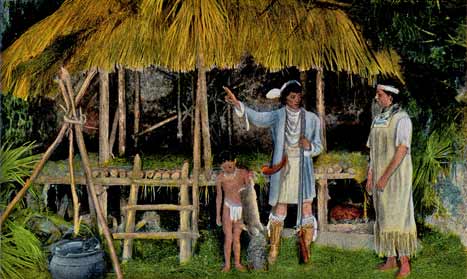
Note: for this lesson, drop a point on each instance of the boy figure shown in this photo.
(230, 182)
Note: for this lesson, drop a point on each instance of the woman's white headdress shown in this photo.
(388, 88)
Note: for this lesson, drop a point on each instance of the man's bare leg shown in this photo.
(237, 230)
(227, 226)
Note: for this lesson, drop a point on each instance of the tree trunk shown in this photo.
(320, 105)
(121, 112)
(203, 108)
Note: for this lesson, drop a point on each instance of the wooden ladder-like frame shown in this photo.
(185, 233)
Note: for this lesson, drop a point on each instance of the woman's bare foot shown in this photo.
(390, 264)
(404, 271)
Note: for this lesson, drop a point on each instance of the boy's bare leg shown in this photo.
(237, 230)
(227, 226)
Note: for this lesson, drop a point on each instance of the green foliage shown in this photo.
(155, 250)
(254, 161)
(431, 156)
(16, 120)
(16, 163)
(20, 249)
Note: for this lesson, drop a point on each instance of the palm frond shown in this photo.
(16, 163)
(20, 249)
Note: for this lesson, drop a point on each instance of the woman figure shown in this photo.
(390, 182)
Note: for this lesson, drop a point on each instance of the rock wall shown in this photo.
(453, 194)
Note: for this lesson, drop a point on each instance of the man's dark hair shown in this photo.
(227, 155)
(293, 86)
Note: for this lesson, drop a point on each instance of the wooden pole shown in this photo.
(136, 108)
(305, 93)
(84, 87)
(34, 175)
(323, 204)
(113, 132)
(196, 161)
(92, 191)
(320, 107)
(87, 170)
(203, 108)
(104, 151)
(153, 127)
(155, 235)
(185, 243)
(131, 212)
(69, 93)
(121, 112)
(104, 148)
(74, 194)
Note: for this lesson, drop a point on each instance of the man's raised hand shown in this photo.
(230, 97)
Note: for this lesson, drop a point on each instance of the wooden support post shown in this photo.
(130, 214)
(104, 148)
(320, 107)
(323, 204)
(136, 109)
(196, 160)
(121, 112)
(185, 243)
(113, 132)
(305, 93)
(203, 108)
(104, 151)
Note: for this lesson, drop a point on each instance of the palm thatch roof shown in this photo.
(171, 34)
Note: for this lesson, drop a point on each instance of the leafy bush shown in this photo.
(20, 249)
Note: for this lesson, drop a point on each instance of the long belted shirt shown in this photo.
(276, 121)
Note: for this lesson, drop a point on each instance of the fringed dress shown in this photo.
(395, 229)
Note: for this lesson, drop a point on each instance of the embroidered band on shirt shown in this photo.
(276, 218)
(307, 220)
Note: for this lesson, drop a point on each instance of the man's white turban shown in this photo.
(388, 88)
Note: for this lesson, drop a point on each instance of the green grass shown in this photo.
(442, 256)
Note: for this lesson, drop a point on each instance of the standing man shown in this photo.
(390, 182)
(296, 137)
